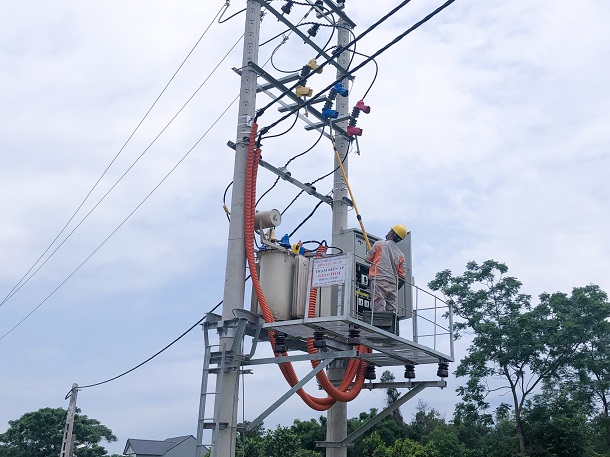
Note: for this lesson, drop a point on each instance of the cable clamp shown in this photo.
(245, 120)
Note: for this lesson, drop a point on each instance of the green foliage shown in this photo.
(515, 346)
(309, 432)
(424, 422)
(40, 433)
(557, 426)
(392, 395)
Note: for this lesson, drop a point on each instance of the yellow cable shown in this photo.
(351, 195)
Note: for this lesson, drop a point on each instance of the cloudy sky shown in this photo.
(488, 137)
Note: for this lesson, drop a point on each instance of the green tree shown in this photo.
(40, 433)
(281, 442)
(392, 395)
(250, 442)
(424, 422)
(309, 432)
(515, 346)
(589, 378)
(557, 426)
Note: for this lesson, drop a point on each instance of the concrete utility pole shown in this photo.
(236, 256)
(336, 425)
(67, 444)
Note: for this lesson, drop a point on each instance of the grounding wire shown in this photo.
(122, 223)
(374, 77)
(23, 283)
(9, 295)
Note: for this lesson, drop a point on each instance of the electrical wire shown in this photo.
(224, 202)
(287, 163)
(226, 7)
(312, 183)
(23, 283)
(374, 77)
(350, 72)
(121, 224)
(152, 356)
(9, 295)
(296, 118)
(327, 62)
(306, 218)
(293, 200)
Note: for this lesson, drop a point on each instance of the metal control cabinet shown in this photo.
(353, 241)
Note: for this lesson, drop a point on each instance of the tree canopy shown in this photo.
(40, 433)
(517, 346)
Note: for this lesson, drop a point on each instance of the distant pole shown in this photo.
(336, 428)
(67, 445)
(236, 256)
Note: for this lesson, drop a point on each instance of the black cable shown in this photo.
(306, 219)
(327, 62)
(332, 172)
(293, 200)
(374, 77)
(151, 357)
(305, 152)
(224, 201)
(156, 354)
(287, 163)
(230, 17)
(312, 183)
(296, 118)
(10, 294)
(358, 67)
(122, 223)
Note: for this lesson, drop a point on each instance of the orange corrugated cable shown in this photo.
(320, 404)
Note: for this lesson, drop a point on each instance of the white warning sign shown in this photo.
(329, 271)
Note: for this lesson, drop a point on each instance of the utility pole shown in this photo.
(67, 444)
(336, 425)
(227, 386)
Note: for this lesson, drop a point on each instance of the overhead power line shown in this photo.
(357, 67)
(152, 356)
(120, 225)
(23, 281)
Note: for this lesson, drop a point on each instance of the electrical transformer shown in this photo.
(285, 278)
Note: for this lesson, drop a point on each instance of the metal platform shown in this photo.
(390, 349)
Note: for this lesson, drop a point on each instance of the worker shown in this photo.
(387, 270)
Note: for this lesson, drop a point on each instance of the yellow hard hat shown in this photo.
(400, 230)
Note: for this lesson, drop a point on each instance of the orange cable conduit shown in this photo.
(355, 366)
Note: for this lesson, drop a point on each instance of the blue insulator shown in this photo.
(285, 242)
(330, 113)
(341, 90)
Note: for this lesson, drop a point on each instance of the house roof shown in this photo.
(154, 447)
